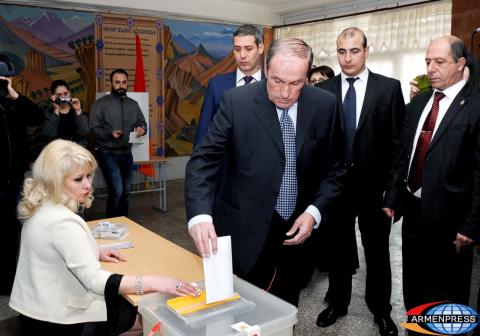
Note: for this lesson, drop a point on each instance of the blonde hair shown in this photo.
(58, 160)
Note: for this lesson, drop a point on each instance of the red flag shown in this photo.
(139, 86)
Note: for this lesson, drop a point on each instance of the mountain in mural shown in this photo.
(83, 36)
(218, 47)
(22, 22)
(19, 41)
(227, 64)
(187, 77)
(184, 43)
(197, 62)
(47, 27)
(76, 23)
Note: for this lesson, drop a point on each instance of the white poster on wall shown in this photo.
(139, 145)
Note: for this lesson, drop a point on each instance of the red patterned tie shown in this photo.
(424, 139)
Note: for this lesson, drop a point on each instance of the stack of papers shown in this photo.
(108, 230)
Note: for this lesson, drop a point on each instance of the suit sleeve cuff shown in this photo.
(199, 219)
(312, 210)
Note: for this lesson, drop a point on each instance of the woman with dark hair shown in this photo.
(320, 74)
(64, 119)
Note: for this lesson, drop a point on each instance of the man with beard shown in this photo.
(113, 117)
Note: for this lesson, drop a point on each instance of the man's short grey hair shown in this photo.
(247, 30)
(457, 48)
(290, 46)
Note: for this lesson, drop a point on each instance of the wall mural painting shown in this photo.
(194, 52)
(48, 44)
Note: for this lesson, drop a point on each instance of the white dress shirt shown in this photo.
(311, 209)
(257, 76)
(450, 94)
(360, 88)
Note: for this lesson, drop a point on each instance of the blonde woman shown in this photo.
(59, 283)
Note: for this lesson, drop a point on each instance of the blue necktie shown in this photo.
(288, 190)
(350, 119)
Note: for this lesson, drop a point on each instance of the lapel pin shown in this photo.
(462, 102)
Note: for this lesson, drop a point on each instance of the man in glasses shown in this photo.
(113, 117)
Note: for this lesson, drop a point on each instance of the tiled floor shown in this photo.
(358, 322)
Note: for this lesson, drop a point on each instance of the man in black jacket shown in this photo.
(113, 117)
(16, 114)
(282, 171)
(372, 114)
(435, 183)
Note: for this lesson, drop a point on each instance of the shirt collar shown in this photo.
(362, 76)
(452, 91)
(257, 75)
(293, 106)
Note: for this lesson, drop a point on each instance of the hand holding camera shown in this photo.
(62, 104)
(6, 89)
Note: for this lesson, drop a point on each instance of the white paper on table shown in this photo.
(218, 271)
(134, 140)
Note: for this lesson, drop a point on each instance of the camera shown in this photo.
(3, 88)
(63, 100)
(6, 70)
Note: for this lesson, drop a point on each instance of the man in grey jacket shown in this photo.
(113, 117)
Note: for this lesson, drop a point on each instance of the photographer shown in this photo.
(64, 118)
(17, 113)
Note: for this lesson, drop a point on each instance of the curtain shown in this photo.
(397, 38)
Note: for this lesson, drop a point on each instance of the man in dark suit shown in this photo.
(436, 181)
(247, 50)
(372, 114)
(282, 171)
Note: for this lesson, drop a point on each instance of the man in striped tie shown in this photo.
(277, 142)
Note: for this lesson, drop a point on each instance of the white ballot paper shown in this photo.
(132, 138)
(218, 271)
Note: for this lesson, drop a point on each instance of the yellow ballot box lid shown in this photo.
(189, 304)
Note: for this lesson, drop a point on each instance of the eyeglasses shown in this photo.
(119, 82)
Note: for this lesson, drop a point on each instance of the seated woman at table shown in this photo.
(59, 284)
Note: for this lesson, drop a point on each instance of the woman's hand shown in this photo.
(110, 255)
(174, 286)
(77, 107)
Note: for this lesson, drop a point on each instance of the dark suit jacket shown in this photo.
(451, 176)
(378, 129)
(247, 128)
(215, 89)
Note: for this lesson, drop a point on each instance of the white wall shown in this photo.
(176, 167)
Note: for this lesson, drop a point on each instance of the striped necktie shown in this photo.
(423, 143)
(288, 190)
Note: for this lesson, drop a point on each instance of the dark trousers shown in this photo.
(374, 227)
(279, 267)
(10, 236)
(117, 171)
(432, 269)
